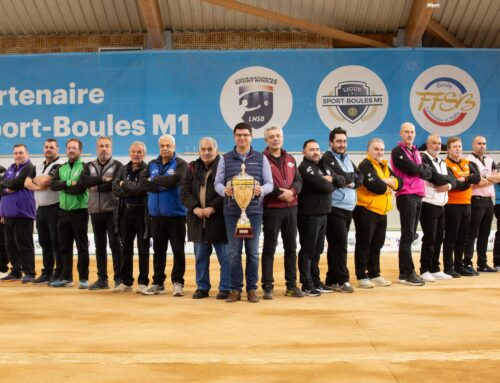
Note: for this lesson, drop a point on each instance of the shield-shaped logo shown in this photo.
(353, 111)
(256, 104)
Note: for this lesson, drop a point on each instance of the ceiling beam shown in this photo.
(437, 30)
(420, 15)
(298, 23)
(150, 11)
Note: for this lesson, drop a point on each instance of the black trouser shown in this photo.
(4, 258)
(337, 230)
(48, 238)
(20, 247)
(432, 221)
(312, 230)
(274, 220)
(163, 230)
(481, 217)
(131, 225)
(496, 248)
(456, 227)
(104, 230)
(409, 206)
(73, 227)
(370, 237)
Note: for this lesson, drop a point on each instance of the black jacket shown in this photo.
(342, 178)
(437, 178)
(316, 195)
(215, 230)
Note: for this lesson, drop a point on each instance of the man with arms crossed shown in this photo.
(47, 213)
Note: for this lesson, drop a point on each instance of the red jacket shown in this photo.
(285, 175)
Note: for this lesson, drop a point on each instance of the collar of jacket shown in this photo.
(339, 156)
(268, 154)
(403, 146)
(142, 166)
(237, 155)
(375, 162)
(160, 161)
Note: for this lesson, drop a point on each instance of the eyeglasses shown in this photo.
(242, 135)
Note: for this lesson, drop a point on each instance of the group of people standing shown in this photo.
(453, 198)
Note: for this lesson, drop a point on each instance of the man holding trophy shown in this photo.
(243, 178)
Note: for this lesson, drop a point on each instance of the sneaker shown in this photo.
(83, 284)
(268, 293)
(141, 289)
(3, 274)
(440, 276)
(199, 294)
(27, 279)
(427, 277)
(380, 282)
(252, 296)
(472, 270)
(100, 284)
(343, 288)
(155, 290)
(486, 269)
(411, 280)
(497, 268)
(294, 292)
(311, 293)
(122, 288)
(464, 272)
(324, 289)
(10, 278)
(178, 290)
(233, 296)
(365, 283)
(452, 273)
(62, 283)
(42, 280)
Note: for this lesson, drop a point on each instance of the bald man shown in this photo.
(482, 209)
(406, 162)
(432, 218)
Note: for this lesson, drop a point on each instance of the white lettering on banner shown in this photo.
(62, 96)
(64, 126)
(169, 124)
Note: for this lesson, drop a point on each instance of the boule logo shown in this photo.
(258, 96)
(445, 100)
(354, 97)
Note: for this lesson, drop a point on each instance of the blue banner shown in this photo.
(191, 94)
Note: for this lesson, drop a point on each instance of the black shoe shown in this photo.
(412, 280)
(486, 269)
(472, 270)
(199, 294)
(222, 295)
(324, 289)
(268, 292)
(464, 272)
(100, 284)
(453, 273)
(42, 280)
(311, 293)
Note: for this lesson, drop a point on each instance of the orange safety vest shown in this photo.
(460, 169)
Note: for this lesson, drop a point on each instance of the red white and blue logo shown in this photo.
(445, 100)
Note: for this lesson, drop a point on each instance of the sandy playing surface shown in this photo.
(444, 331)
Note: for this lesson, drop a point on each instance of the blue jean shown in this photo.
(202, 252)
(235, 246)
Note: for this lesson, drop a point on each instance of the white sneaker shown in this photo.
(440, 276)
(141, 289)
(427, 277)
(2, 274)
(497, 268)
(122, 288)
(365, 284)
(380, 282)
(178, 290)
(155, 290)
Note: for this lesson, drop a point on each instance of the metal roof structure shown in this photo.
(467, 23)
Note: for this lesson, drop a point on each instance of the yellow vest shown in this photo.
(378, 203)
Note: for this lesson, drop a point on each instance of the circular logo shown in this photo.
(354, 97)
(258, 96)
(445, 100)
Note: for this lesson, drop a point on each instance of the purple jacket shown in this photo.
(21, 202)
(412, 184)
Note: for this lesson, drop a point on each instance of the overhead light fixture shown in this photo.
(433, 5)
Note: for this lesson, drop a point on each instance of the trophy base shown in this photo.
(243, 232)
